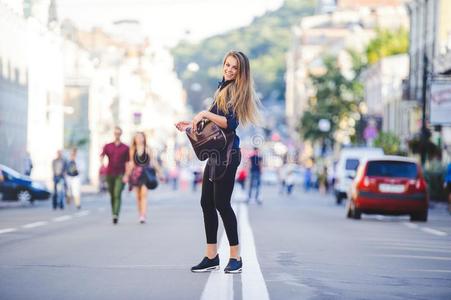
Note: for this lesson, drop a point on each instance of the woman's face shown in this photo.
(139, 139)
(230, 68)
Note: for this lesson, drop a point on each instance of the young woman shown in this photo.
(234, 104)
(73, 179)
(134, 174)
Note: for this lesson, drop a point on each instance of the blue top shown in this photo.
(232, 121)
(448, 174)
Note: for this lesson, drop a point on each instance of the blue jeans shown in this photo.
(254, 184)
(59, 192)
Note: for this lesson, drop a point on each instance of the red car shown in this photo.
(391, 185)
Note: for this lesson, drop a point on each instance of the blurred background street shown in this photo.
(344, 188)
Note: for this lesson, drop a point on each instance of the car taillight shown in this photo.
(420, 184)
(364, 182)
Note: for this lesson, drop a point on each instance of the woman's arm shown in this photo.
(221, 121)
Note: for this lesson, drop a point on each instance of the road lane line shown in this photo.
(62, 218)
(220, 285)
(410, 225)
(413, 256)
(82, 213)
(7, 230)
(433, 231)
(415, 249)
(252, 281)
(35, 224)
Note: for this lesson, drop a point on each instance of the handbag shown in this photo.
(210, 141)
(151, 180)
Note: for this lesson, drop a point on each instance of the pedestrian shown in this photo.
(242, 176)
(447, 183)
(142, 158)
(118, 155)
(255, 175)
(289, 182)
(73, 179)
(59, 166)
(308, 179)
(234, 103)
(322, 180)
(28, 164)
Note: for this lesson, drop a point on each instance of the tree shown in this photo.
(337, 100)
(266, 41)
(387, 43)
(389, 142)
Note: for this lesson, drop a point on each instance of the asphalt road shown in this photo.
(297, 247)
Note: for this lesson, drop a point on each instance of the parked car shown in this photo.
(346, 167)
(392, 185)
(16, 186)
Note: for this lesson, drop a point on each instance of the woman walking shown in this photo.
(141, 158)
(234, 104)
(73, 179)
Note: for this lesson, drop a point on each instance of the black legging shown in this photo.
(216, 196)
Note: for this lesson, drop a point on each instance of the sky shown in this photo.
(167, 21)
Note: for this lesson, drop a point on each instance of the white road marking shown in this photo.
(62, 218)
(252, 281)
(7, 230)
(413, 256)
(410, 225)
(82, 213)
(220, 285)
(35, 224)
(415, 249)
(430, 271)
(434, 231)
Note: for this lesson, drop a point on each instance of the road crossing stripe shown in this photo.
(252, 281)
(7, 230)
(35, 224)
(62, 218)
(220, 285)
(434, 231)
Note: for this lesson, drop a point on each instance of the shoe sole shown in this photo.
(234, 271)
(209, 269)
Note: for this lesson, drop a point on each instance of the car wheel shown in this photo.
(338, 198)
(349, 213)
(420, 217)
(356, 214)
(24, 196)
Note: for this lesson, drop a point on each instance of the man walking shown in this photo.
(255, 175)
(118, 156)
(59, 166)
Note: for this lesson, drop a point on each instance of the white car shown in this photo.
(346, 168)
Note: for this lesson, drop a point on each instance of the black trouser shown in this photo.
(216, 196)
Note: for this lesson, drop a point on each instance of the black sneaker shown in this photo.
(234, 266)
(207, 265)
(115, 219)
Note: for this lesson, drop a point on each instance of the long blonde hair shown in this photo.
(133, 146)
(240, 94)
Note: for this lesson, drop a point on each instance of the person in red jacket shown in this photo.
(118, 155)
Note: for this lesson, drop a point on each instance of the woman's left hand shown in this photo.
(197, 118)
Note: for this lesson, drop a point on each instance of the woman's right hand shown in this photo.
(182, 126)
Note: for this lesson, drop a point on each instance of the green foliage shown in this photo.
(388, 141)
(387, 43)
(266, 41)
(337, 99)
